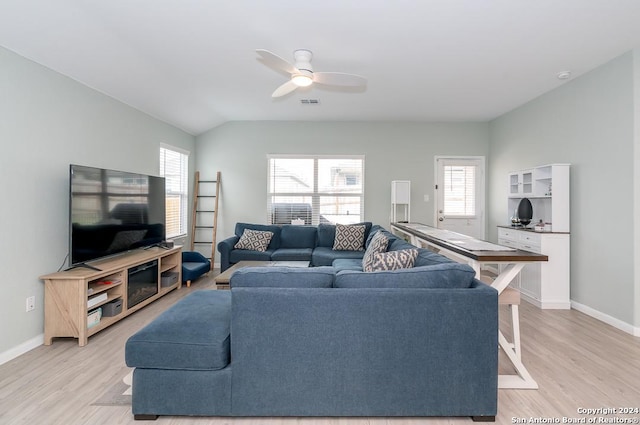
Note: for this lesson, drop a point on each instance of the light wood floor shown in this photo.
(578, 362)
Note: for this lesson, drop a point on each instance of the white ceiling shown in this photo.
(192, 63)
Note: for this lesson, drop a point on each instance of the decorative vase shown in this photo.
(525, 211)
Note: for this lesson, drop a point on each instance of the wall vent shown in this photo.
(310, 101)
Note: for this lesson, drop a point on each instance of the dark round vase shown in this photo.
(525, 211)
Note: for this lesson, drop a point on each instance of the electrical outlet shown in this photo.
(31, 303)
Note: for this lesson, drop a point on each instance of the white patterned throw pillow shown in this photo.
(378, 244)
(394, 260)
(255, 240)
(349, 238)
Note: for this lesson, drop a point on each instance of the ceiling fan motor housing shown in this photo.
(303, 61)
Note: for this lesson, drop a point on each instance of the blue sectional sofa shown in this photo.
(325, 341)
(289, 243)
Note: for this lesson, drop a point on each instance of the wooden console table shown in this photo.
(476, 253)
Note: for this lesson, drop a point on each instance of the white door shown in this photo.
(460, 195)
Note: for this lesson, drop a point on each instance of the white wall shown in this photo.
(48, 121)
(393, 151)
(589, 123)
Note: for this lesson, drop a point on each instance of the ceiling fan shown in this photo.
(302, 74)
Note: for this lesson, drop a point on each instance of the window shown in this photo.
(459, 190)
(174, 164)
(315, 189)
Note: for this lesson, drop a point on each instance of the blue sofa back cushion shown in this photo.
(450, 275)
(283, 277)
(327, 233)
(374, 229)
(298, 236)
(275, 240)
(203, 344)
(397, 244)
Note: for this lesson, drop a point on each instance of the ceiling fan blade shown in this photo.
(284, 89)
(274, 61)
(339, 79)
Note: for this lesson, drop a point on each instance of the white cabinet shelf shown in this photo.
(547, 187)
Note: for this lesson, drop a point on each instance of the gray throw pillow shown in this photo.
(394, 260)
(378, 244)
(349, 238)
(254, 240)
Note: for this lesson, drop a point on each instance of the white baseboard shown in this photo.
(616, 323)
(547, 305)
(21, 349)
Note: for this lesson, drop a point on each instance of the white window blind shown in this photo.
(460, 190)
(174, 168)
(315, 189)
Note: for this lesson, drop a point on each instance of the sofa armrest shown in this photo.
(224, 248)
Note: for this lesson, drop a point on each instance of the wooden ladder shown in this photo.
(207, 208)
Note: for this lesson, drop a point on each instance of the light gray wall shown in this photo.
(393, 151)
(636, 179)
(48, 121)
(589, 123)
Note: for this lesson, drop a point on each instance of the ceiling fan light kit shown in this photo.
(302, 80)
(302, 74)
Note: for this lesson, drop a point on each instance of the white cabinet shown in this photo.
(544, 284)
(521, 183)
(400, 200)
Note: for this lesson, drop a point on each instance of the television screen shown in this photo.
(113, 211)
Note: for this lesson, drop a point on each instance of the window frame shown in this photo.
(182, 193)
(467, 202)
(315, 195)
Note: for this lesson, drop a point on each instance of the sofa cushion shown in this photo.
(292, 254)
(393, 260)
(283, 277)
(245, 255)
(349, 238)
(341, 264)
(397, 244)
(327, 233)
(323, 256)
(254, 240)
(193, 334)
(451, 275)
(378, 244)
(298, 236)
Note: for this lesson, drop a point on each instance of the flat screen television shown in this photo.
(111, 212)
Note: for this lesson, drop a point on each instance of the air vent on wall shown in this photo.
(310, 101)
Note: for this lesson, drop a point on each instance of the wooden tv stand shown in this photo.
(67, 293)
